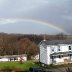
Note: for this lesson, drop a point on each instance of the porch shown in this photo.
(61, 57)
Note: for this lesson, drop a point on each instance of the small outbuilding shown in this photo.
(13, 58)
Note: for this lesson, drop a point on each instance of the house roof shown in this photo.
(55, 42)
(12, 56)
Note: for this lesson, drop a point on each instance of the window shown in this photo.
(70, 48)
(15, 58)
(70, 56)
(62, 55)
(52, 50)
(58, 49)
(59, 56)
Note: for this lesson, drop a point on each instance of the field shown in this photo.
(16, 65)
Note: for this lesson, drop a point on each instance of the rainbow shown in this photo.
(46, 24)
(52, 26)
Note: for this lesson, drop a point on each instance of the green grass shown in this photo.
(16, 65)
(26, 65)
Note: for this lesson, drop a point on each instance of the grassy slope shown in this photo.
(12, 65)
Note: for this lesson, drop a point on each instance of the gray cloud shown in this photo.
(56, 12)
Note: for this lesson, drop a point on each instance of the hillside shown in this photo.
(14, 44)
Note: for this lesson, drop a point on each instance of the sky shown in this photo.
(36, 16)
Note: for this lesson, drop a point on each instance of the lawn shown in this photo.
(16, 65)
(26, 65)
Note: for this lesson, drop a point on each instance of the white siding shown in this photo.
(4, 59)
(46, 51)
(55, 48)
(43, 55)
(64, 48)
(48, 55)
(59, 60)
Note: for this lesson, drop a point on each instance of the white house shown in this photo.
(56, 51)
(13, 58)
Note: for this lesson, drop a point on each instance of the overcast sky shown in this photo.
(36, 16)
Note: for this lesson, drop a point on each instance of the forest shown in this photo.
(15, 44)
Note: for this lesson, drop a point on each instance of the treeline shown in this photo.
(14, 44)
